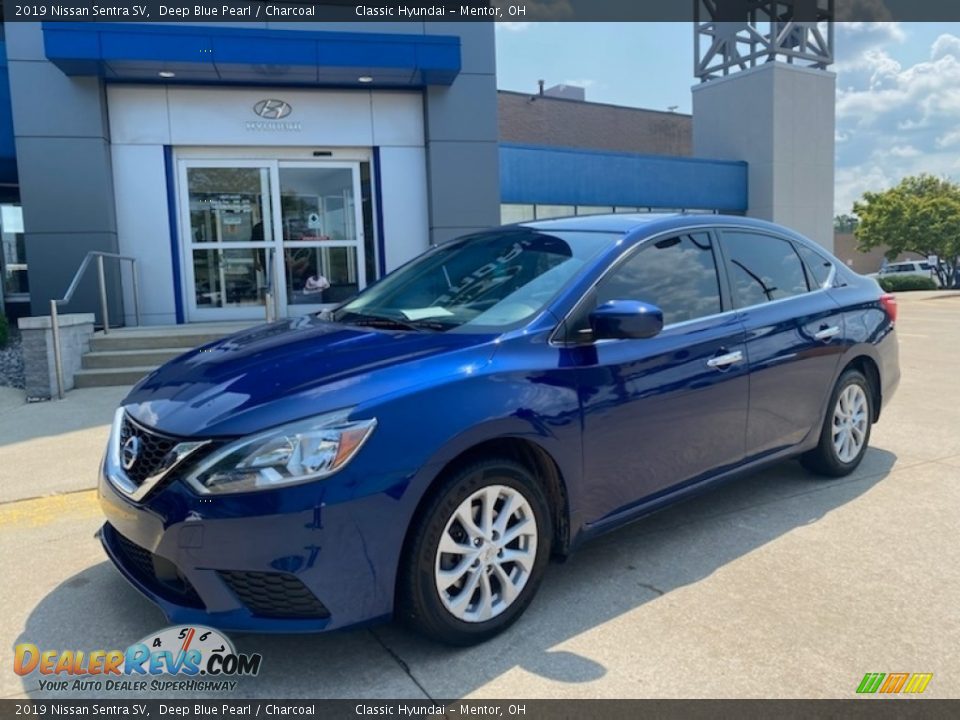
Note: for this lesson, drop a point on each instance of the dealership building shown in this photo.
(301, 161)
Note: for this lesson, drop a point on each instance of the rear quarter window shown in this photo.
(818, 266)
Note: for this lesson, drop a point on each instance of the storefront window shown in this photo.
(228, 204)
(370, 256)
(545, 212)
(230, 277)
(594, 209)
(229, 227)
(320, 234)
(510, 213)
(13, 255)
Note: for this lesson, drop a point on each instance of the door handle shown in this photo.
(827, 333)
(722, 362)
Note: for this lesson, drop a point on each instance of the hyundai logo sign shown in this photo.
(272, 109)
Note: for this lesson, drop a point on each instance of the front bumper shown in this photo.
(306, 559)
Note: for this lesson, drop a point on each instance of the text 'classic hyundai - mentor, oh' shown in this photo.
(426, 447)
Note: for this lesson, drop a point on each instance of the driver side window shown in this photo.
(678, 274)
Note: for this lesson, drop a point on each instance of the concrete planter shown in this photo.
(36, 333)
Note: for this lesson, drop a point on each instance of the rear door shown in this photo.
(794, 337)
(669, 409)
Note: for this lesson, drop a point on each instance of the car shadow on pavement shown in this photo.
(604, 580)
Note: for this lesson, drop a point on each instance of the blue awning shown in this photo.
(140, 52)
(531, 174)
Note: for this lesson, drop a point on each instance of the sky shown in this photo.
(898, 86)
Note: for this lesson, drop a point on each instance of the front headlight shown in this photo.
(287, 455)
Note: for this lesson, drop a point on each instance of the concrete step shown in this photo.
(124, 355)
(109, 376)
(151, 340)
(129, 358)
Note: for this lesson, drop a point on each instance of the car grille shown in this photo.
(158, 573)
(154, 455)
(274, 595)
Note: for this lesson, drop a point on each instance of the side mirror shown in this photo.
(626, 320)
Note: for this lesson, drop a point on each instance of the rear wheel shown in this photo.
(478, 553)
(846, 429)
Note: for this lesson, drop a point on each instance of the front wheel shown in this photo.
(846, 429)
(477, 554)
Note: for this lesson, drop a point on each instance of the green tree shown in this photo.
(845, 223)
(920, 215)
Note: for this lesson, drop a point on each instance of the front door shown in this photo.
(227, 235)
(253, 229)
(321, 229)
(671, 409)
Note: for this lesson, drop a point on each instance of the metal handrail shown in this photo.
(104, 310)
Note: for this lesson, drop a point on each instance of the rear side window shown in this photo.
(677, 274)
(817, 264)
(762, 268)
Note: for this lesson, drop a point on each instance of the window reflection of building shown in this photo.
(14, 287)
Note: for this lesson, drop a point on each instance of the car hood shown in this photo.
(293, 369)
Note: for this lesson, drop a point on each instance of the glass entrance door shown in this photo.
(253, 226)
(227, 219)
(321, 233)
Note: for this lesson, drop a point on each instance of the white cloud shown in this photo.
(945, 45)
(904, 151)
(850, 184)
(855, 38)
(949, 139)
(895, 120)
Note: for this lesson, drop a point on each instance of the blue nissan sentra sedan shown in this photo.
(423, 450)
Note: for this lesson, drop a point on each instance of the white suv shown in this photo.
(920, 268)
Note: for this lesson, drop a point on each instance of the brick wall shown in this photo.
(845, 248)
(541, 120)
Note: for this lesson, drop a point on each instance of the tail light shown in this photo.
(889, 304)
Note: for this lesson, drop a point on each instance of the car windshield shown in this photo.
(483, 283)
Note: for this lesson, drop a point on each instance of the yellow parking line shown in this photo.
(47, 510)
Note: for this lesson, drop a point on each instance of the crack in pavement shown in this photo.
(48, 496)
(402, 663)
(651, 588)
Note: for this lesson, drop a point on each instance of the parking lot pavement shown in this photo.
(53, 447)
(776, 585)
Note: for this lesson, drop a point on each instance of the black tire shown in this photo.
(418, 600)
(824, 459)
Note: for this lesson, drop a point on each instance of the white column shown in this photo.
(780, 119)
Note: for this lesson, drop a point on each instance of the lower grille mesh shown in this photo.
(140, 562)
(274, 595)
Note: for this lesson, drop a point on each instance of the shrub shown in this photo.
(907, 282)
(3, 328)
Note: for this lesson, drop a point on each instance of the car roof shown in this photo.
(650, 223)
(619, 222)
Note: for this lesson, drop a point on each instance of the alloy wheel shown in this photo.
(486, 553)
(850, 423)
